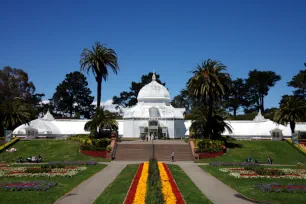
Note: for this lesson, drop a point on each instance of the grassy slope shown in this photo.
(245, 187)
(50, 150)
(116, 191)
(280, 151)
(188, 189)
(65, 185)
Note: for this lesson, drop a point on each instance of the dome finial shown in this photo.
(153, 76)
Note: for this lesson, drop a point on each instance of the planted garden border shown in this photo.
(137, 190)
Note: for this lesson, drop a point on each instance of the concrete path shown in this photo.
(216, 191)
(90, 189)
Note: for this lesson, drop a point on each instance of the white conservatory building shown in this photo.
(153, 115)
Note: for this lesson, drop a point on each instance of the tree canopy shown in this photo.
(98, 61)
(129, 98)
(210, 83)
(298, 82)
(259, 84)
(72, 96)
(236, 97)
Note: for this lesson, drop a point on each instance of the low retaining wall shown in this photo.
(205, 155)
(93, 153)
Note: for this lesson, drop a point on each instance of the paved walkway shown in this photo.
(216, 191)
(90, 189)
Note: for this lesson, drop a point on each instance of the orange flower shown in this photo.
(140, 196)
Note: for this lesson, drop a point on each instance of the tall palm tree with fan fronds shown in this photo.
(292, 109)
(14, 113)
(98, 61)
(210, 83)
(102, 119)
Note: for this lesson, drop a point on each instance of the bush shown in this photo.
(37, 170)
(207, 145)
(78, 137)
(300, 165)
(52, 166)
(109, 148)
(269, 172)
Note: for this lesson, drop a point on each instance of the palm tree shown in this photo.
(210, 84)
(98, 61)
(15, 113)
(102, 119)
(292, 109)
(218, 124)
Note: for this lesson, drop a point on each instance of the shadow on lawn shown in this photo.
(233, 145)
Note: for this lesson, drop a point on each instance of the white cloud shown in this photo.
(108, 105)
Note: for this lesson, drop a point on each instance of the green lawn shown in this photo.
(50, 150)
(245, 187)
(115, 193)
(191, 194)
(280, 151)
(65, 184)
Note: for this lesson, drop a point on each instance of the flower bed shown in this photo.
(268, 173)
(39, 172)
(138, 182)
(27, 186)
(87, 163)
(205, 155)
(138, 188)
(95, 153)
(233, 164)
(275, 187)
(170, 190)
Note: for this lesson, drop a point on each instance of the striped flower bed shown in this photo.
(170, 190)
(242, 173)
(138, 188)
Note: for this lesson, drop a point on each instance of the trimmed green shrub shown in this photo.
(207, 145)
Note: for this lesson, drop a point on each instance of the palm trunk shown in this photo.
(209, 120)
(292, 127)
(99, 90)
(235, 111)
(262, 104)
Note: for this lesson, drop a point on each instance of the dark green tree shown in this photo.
(15, 113)
(259, 84)
(183, 100)
(218, 124)
(292, 109)
(98, 61)
(236, 96)
(73, 96)
(16, 93)
(129, 98)
(298, 82)
(210, 84)
(102, 119)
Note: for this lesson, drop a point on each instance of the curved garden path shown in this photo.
(90, 189)
(215, 190)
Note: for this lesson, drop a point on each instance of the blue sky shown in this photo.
(46, 39)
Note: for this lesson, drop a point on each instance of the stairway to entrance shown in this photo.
(182, 152)
(139, 151)
(133, 152)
